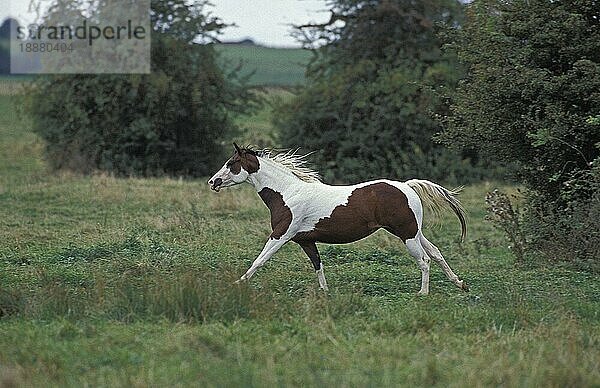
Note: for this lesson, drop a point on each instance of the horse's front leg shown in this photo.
(269, 250)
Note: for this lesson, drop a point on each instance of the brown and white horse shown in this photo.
(307, 211)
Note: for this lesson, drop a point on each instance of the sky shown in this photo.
(266, 21)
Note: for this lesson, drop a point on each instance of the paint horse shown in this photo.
(306, 211)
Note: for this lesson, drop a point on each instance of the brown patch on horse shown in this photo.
(281, 215)
(243, 158)
(379, 205)
(310, 248)
(250, 161)
(235, 163)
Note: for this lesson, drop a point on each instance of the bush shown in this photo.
(368, 109)
(171, 121)
(531, 101)
(506, 217)
(570, 232)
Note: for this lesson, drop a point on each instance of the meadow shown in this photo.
(266, 65)
(129, 282)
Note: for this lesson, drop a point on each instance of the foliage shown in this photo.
(506, 217)
(531, 99)
(368, 109)
(172, 121)
(571, 232)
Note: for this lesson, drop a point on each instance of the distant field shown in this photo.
(272, 66)
(129, 282)
(257, 127)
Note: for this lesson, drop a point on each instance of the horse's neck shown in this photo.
(272, 176)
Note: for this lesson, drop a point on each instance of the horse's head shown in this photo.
(236, 170)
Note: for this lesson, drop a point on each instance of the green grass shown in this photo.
(128, 282)
(271, 66)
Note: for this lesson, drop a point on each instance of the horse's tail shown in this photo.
(435, 197)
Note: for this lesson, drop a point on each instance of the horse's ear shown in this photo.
(237, 148)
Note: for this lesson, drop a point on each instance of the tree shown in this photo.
(368, 107)
(532, 100)
(172, 121)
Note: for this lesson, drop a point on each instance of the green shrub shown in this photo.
(172, 121)
(531, 101)
(507, 217)
(368, 109)
(571, 231)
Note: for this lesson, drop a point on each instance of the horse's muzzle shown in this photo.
(216, 184)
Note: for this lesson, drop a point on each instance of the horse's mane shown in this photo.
(290, 160)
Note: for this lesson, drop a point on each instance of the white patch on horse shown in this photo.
(321, 277)
(312, 201)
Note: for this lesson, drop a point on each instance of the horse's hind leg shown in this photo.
(435, 253)
(310, 248)
(417, 251)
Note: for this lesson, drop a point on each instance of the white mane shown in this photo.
(293, 162)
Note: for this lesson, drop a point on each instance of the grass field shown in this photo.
(128, 282)
(271, 66)
(268, 66)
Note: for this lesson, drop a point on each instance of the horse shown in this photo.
(307, 211)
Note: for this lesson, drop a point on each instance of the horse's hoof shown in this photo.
(464, 286)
